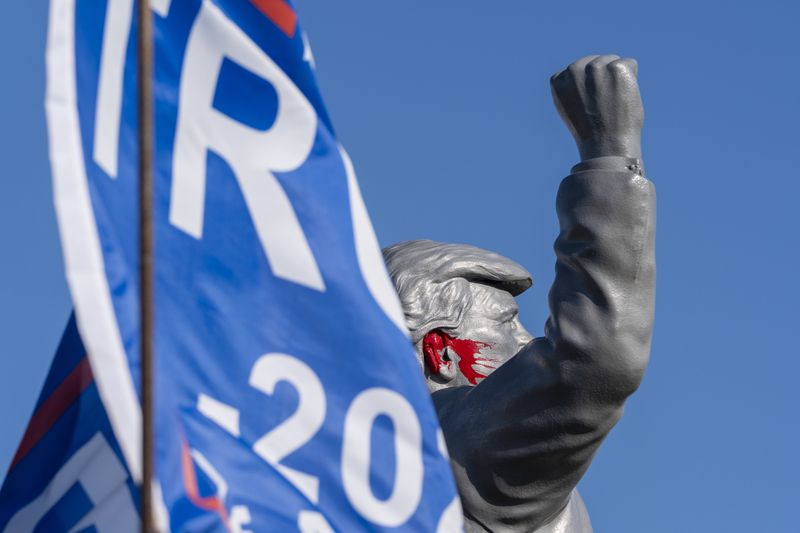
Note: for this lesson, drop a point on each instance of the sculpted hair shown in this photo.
(432, 280)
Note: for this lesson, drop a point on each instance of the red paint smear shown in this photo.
(53, 407)
(432, 347)
(207, 503)
(468, 351)
(280, 13)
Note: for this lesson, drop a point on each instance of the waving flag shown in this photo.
(287, 393)
(68, 473)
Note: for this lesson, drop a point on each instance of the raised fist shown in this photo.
(598, 98)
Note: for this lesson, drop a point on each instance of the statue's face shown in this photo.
(489, 335)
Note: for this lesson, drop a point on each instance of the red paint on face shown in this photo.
(433, 350)
(468, 351)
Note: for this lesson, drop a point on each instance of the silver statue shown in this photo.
(523, 416)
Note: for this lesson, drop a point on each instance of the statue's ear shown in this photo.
(437, 356)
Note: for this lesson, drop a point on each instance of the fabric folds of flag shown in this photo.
(287, 392)
(69, 462)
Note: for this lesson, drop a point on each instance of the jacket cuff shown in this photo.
(611, 162)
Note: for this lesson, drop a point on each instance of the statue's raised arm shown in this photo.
(523, 417)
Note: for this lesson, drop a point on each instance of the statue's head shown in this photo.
(460, 309)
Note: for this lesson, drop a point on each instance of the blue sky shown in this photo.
(445, 109)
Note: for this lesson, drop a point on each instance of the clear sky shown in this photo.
(445, 109)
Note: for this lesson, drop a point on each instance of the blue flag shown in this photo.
(69, 473)
(287, 392)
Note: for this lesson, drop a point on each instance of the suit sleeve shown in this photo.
(522, 439)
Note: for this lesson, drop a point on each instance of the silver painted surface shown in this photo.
(522, 435)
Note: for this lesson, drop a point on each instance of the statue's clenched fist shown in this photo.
(598, 98)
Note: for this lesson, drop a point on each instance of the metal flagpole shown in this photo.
(146, 274)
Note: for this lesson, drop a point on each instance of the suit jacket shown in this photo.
(521, 439)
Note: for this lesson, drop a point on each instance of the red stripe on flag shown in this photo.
(207, 503)
(280, 13)
(53, 407)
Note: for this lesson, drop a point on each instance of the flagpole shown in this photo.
(146, 271)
